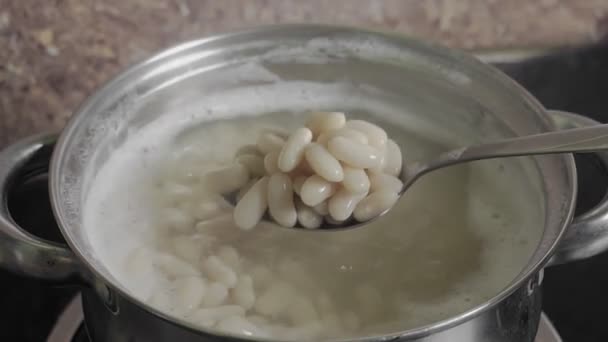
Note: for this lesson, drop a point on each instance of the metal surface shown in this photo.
(588, 233)
(72, 318)
(515, 319)
(513, 55)
(581, 139)
(483, 105)
(570, 140)
(20, 251)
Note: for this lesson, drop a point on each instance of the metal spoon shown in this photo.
(587, 139)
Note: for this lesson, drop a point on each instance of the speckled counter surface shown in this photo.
(54, 53)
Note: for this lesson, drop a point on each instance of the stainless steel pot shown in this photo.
(478, 98)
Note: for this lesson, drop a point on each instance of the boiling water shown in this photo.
(457, 238)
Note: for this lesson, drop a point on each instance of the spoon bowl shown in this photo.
(576, 140)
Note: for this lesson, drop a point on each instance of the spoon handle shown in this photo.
(586, 139)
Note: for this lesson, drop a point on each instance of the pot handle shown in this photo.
(20, 251)
(587, 235)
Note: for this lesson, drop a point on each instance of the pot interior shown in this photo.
(428, 99)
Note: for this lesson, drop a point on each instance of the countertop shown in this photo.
(55, 53)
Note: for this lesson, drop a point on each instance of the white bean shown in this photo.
(353, 153)
(325, 121)
(301, 311)
(205, 323)
(280, 200)
(315, 190)
(187, 248)
(217, 270)
(376, 136)
(394, 159)
(189, 292)
(216, 314)
(303, 169)
(175, 191)
(375, 204)
(174, 267)
(230, 257)
(227, 180)
(248, 149)
(380, 166)
(269, 142)
(210, 207)
(215, 294)
(333, 221)
(177, 219)
(343, 132)
(322, 208)
(297, 184)
(306, 332)
(240, 325)
(292, 152)
(214, 223)
(275, 299)
(250, 209)
(323, 163)
(257, 320)
(271, 162)
(138, 265)
(307, 216)
(161, 301)
(384, 182)
(245, 188)
(332, 121)
(188, 207)
(253, 163)
(355, 180)
(281, 132)
(343, 203)
(243, 293)
(185, 171)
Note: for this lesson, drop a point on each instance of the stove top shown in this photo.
(575, 298)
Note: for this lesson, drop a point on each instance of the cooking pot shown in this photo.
(475, 97)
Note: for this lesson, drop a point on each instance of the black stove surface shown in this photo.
(575, 297)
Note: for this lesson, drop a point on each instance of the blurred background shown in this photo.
(54, 53)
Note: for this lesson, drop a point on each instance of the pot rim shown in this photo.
(496, 75)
